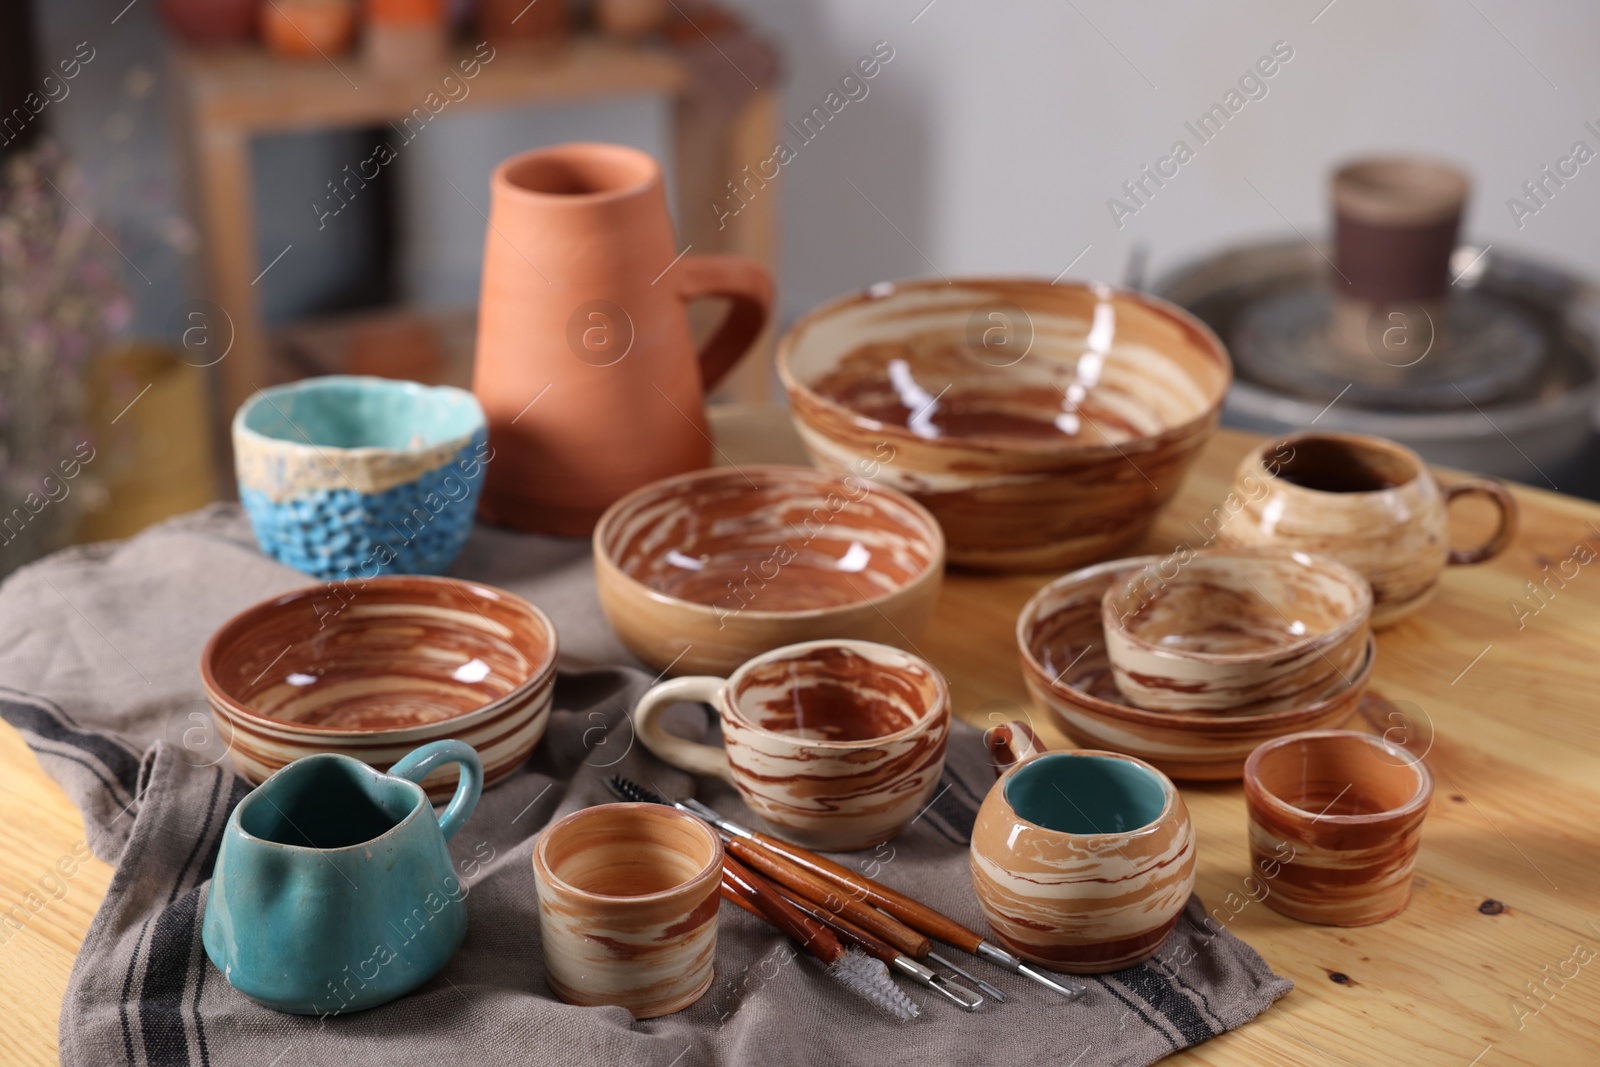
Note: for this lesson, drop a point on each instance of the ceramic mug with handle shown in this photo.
(1369, 503)
(835, 744)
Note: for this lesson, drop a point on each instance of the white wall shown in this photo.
(1000, 129)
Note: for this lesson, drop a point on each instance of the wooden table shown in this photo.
(1505, 887)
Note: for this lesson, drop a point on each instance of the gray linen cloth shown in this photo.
(99, 649)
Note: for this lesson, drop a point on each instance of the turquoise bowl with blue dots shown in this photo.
(353, 477)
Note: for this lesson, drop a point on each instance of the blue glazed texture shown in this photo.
(355, 477)
(333, 890)
(418, 527)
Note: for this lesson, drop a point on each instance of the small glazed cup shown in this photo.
(1367, 502)
(628, 898)
(1236, 632)
(1082, 861)
(835, 744)
(1335, 824)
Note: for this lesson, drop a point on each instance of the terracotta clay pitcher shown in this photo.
(585, 364)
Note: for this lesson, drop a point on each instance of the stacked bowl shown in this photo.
(1190, 661)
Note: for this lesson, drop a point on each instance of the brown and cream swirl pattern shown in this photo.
(700, 572)
(1043, 425)
(628, 900)
(1098, 897)
(1062, 647)
(1335, 824)
(373, 668)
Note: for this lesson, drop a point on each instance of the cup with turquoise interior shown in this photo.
(1082, 860)
(333, 890)
(353, 477)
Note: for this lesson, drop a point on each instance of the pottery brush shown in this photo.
(957, 994)
(912, 913)
(864, 976)
(799, 882)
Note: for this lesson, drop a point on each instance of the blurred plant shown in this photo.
(60, 296)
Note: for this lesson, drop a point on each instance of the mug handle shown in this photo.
(415, 765)
(689, 756)
(749, 286)
(1012, 743)
(1497, 492)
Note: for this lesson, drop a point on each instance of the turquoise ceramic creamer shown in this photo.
(333, 890)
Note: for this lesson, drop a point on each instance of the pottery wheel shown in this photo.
(1481, 351)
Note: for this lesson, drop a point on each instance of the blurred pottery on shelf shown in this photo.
(1370, 503)
(308, 29)
(210, 22)
(1082, 861)
(371, 669)
(510, 22)
(400, 36)
(700, 572)
(630, 19)
(1043, 425)
(345, 476)
(1335, 825)
(320, 863)
(1062, 646)
(1235, 632)
(585, 364)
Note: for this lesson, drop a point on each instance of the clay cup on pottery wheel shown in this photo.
(1062, 646)
(701, 572)
(1335, 824)
(1236, 632)
(1043, 425)
(373, 669)
(1082, 861)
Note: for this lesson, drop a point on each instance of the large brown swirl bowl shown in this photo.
(1062, 646)
(700, 572)
(1235, 632)
(373, 668)
(1043, 425)
(1081, 861)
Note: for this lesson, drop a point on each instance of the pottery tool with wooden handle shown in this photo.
(918, 916)
(857, 972)
(876, 947)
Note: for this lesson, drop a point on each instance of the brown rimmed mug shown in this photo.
(1335, 824)
(1369, 503)
(628, 899)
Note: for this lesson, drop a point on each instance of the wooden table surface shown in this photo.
(1495, 962)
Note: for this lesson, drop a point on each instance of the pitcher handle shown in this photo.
(749, 286)
(418, 763)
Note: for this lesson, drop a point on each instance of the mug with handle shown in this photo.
(333, 890)
(835, 744)
(1368, 502)
(1082, 861)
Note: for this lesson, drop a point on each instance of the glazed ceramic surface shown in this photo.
(333, 890)
(835, 744)
(373, 669)
(1043, 425)
(1335, 824)
(356, 477)
(585, 295)
(628, 899)
(1062, 646)
(701, 572)
(1235, 632)
(1082, 861)
(1367, 502)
